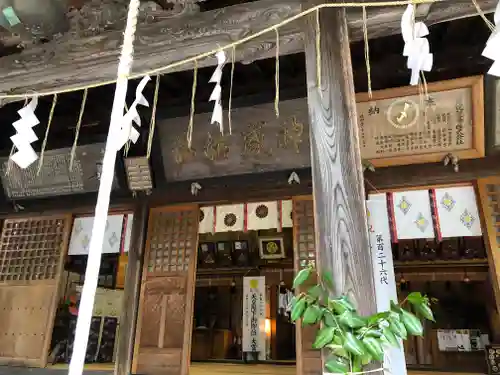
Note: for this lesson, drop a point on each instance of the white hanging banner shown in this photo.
(207, 220)
(263, 215)
(286, 214)
(254, 315)
(128, 233)
(25, 155)
(458, 215)
(412, 215)
(383, 272)
(230, 218)
(82, 232)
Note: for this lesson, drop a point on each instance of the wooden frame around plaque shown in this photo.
(271, 248)
(412, 128)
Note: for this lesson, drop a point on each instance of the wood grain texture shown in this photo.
(126, 336)
(340, 216)
(492, 114)
(80, 61)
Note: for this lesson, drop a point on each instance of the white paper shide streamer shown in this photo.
(25, 155)
(417, 47)
(217, 92)
(492, 49)
(128, 131)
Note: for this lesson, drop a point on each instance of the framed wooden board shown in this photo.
(492, 114)
(404, 126)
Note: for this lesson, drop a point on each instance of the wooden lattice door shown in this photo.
(163, 339)
(308, 360)
(31, 261)
(489, 199)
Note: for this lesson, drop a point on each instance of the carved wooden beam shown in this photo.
(77, 62)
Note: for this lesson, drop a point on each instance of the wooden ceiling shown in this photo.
(456, 45)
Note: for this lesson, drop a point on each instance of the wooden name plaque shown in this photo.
(55, 178)
(259, 142)
(405, 126)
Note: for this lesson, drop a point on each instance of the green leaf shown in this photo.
(425, 311)
(316, 291)
(415, 298)
(353, 345)
(292, 302)
(340, 305)
(351, 319)
(398, 328)
(395, 307)
(298, 309)
(373, 319)
(412, 323)
(301, 277)
(338, 350)
(327, 278)
(336, 366)
(324, 337)
(366, 359)
(373, 332)
(311, 315)
(389, 336)
(373, 347)
(328, 318)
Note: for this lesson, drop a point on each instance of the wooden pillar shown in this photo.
(339, 198)
(126, 335)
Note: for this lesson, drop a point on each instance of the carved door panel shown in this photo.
(489, 204)
(164, 327)
(308, 360)
(31, 262)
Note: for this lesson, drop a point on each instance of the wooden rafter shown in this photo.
(78, 62)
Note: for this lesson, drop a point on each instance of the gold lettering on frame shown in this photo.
(216, 148)
(254, 140)
(182, 152)
(290, 134)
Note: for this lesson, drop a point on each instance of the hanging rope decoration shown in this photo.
(230, 108)
(216, 96)
(44, 144)
(77, 131)
(416, 47)
(193, 102)
(152, 122)
(367, 53)
(9, 161)
(127, 145)
(492, 49)
(318, 52)
(277, 76)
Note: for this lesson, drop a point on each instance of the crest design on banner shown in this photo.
(421, 222)
(448, 202)
(230, 220)
(404, 205)
(467, 219)
(262, 211)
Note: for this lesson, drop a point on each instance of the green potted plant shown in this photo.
(353, 341)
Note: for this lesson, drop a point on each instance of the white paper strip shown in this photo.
(127, 130)
(206, 220)
(254, 315)
(262, 215)
(492, 49)
(412, 215)
(217, 91)
(457, 212)
(25, 155)
(286, 214)
(128, 233)
(416, 47)
(229, 218)
(383, 272)
(82, 232)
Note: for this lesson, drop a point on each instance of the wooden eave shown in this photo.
(78, 62)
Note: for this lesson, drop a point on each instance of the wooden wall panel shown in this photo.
(164, 328)
(31, 261)
(489, 204)
(308, 360)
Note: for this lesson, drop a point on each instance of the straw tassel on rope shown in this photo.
(44, 144)
(152, 122)
(193, 103)
(77, 131)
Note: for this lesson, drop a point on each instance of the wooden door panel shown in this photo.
(308, 360)
(31, 258)
(163, 344)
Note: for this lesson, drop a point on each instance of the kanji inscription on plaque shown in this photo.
(429, 125)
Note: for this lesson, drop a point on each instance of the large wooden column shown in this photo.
(126, 334)
(340, 216)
